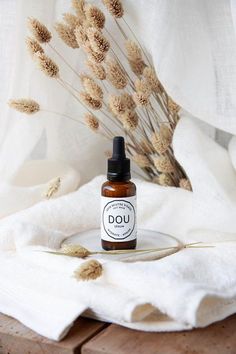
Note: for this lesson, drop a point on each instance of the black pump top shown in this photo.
(118, 164)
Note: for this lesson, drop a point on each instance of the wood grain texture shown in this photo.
(18, 339)
(219, 338)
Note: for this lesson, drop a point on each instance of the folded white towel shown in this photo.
(191, 288)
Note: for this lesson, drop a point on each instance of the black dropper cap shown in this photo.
(118, 164)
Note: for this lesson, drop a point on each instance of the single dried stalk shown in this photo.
(24, 105)
(39, 30)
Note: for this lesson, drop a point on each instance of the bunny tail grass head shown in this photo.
(128, 101)
(165, 180)
(96, 69)
(119, 104)
(172, 106)
(133, 50)
(146, 146)
(141, 85)
(137, 66)
(140, 99)
(81, 36)
(141, 160)
(152, 80)
(94, 16)
(67, 35)
(47, 65)
(135, 59)
(79, 7)
(93, 55)
(129, 120)
(115, 74)
(160, 142)
(97, 40)
(72, 20)
(116, 105)
(91, 121)
(75, 251)
(90, 101)
(24, 105)
(114, 7)
(92, 88)
(185, 184)
(163, 164)
(39, 30)
(89, 270)
(33, 46)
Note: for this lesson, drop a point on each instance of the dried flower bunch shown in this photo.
(120, 94)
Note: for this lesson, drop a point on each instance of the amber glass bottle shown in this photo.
(118, 212)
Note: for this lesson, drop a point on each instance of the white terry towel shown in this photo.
(191, 288)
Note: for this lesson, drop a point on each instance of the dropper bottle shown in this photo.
(118, 205)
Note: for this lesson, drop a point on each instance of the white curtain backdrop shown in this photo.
(45, 136)
(192, 43)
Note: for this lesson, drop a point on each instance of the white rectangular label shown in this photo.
(118, 219)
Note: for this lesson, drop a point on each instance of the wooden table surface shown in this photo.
(93, 337)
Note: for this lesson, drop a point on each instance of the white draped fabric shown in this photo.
(193, 48)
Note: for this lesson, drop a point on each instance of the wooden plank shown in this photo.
(218, 338)
(18, 339)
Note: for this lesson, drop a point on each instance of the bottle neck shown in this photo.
(118, 178)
